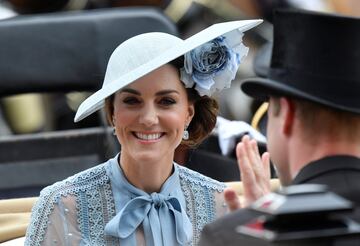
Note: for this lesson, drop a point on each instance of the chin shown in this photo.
(150, 156)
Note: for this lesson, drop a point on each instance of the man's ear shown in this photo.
(287, 107)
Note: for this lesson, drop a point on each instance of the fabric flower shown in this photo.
(213, 65)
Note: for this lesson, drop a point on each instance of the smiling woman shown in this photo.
(157, 94)
(149, 121)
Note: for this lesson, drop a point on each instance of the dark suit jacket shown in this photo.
(340, 173)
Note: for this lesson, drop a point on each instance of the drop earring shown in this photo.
(114, 129)
(186, 133)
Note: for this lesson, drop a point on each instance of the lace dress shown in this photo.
(94, 208)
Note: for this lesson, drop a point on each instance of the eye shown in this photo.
(167, 101)
(131, 100)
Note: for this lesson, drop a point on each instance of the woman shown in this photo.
(156, 95)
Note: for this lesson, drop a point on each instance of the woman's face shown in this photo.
(150, 115)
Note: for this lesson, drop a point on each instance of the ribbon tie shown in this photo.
(162, 215)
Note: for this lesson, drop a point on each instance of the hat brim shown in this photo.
(96, 100)
(262, 89)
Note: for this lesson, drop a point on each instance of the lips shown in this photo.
(148, 137)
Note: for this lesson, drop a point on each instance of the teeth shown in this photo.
(148, 136)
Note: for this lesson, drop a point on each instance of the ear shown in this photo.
(191, 113)
(287, 107)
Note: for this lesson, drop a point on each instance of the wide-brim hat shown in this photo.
(145, 53)
(316, 57)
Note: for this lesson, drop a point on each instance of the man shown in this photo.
(313, 128)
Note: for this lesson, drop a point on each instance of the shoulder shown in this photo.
(196, 178)
(61, 192)
(86, 179)
(326, 169)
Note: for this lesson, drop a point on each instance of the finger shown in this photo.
(251, 188)
(251, 150)
(261, 171)
(267, 174)
(265, 158)
(254, 157)
(246, 150)
(262, 168)
(232, 200)
(255, 148)
(246, 171)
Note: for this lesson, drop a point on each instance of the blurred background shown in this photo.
(36, 151)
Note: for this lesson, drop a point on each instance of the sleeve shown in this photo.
(208, 234)
(54, 223)
(220, 204)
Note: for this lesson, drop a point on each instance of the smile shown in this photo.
(148, 137)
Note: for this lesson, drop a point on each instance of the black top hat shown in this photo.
(315, 57)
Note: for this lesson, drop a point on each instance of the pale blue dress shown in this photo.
(100, 207)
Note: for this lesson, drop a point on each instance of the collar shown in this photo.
(129, 199)
(326, 164)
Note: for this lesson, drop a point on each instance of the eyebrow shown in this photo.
(160, 93)
(164, 92)
(132, 91)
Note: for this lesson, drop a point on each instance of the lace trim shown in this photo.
(86, 180)
(190, 211)
(95, 204)
(109, 212)
(197, 178)
(95, 208)
(199, 195)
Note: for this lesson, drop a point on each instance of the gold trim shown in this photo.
(260, 112)
(224, 9)
(177, 9)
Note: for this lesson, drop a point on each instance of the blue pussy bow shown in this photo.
(164, 221)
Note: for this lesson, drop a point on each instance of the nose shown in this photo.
(149, 116)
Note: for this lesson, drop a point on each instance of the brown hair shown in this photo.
(318, 119)
(204, 120)
(109, 109)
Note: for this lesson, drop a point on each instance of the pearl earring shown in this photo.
(114, 129)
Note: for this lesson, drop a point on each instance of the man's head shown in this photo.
(313, 86)
(299, 131)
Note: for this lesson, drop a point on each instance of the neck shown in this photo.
(318, 149)
(147, 175)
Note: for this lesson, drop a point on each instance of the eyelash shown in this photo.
(131, 100)
(166, 101)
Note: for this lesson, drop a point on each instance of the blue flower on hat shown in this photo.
(213, 65)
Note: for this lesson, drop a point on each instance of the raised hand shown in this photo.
(255, 174)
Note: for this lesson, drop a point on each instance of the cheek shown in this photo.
(271, 139)
(174, 120)
(123, 118)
